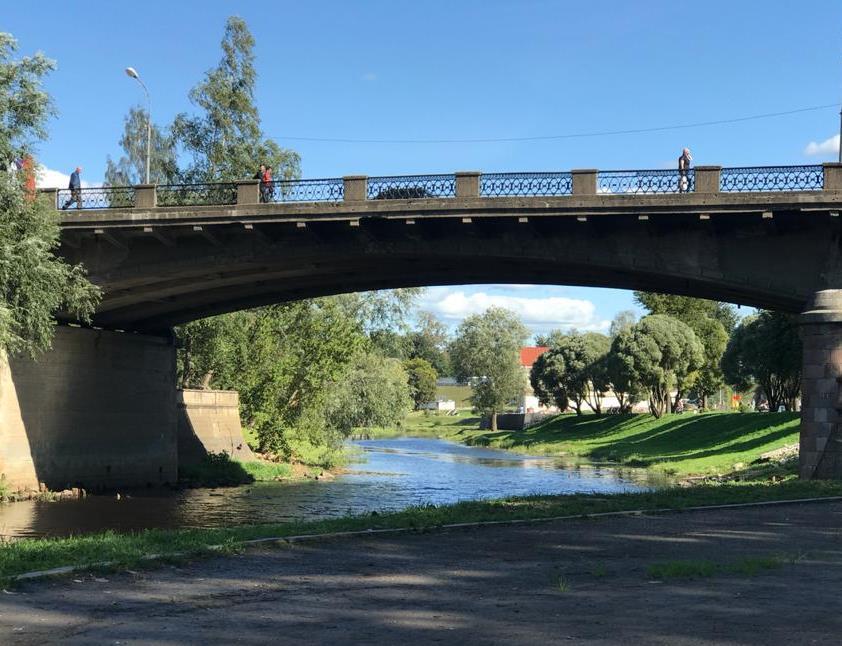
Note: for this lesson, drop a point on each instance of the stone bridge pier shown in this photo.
(98, 410)
(821, 387)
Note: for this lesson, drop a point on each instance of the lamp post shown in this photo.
(132, 72)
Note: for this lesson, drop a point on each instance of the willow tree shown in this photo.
(486, 352)
(35, 283)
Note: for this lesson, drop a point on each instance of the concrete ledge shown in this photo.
(209, 422)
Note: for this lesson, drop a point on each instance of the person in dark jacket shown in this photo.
(683, 170)
(75, 187)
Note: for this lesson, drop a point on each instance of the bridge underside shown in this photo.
(175, 273)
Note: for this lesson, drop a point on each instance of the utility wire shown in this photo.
(578, 135)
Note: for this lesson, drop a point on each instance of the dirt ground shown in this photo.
(482, 586)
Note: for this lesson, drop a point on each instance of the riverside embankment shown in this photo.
(685, 445)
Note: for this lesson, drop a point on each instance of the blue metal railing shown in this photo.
(490, 185)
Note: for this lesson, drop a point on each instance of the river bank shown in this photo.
(133, 549)
(684, 446)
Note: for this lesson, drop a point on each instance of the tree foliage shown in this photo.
(35, 283)
(712, 321)
(130, 168)
(288, 361)
(283, 360)
(429, 341)
(766, 349)
(225, 142)
(659, 352)
(486, 352)
(374, 392)
(572, 370)
(422, 380)
(622, 322)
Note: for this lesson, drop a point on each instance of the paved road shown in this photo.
(481, 586)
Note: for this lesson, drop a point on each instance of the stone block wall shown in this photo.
(209, 422)
(98, 410)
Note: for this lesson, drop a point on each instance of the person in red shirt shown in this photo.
(266, 185)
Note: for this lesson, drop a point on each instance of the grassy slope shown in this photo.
(129, 549)
(679, 444)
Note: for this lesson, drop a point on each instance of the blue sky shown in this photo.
(457, 70)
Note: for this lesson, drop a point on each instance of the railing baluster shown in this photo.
(771, 178)
(411, 187)
(525, 184)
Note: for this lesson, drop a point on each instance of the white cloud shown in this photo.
(369, 76)
(538, 313)
(827, 147)
(49, 178)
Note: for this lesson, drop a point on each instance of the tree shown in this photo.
(486, 352)
(714, 339)
(35, 283)
(712, 321)
(622, 322)
(429, 342)
(766, 349)
(130, 168)
(225, 141)
(374, 392)
(658, 353)
(573, 370)
(546, 379)
(688, 308)
(619, 375)
(422, 380)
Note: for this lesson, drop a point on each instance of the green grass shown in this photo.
(706, 444)
(219, 470)
(127, 550)
(262, 470)
(748, 566)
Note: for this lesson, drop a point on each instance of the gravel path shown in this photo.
(496, 585)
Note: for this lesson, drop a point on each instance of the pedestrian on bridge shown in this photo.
(259, 177)
(75, 187)
(683, 168)
(266, 185)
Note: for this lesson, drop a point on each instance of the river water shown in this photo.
(392, 474)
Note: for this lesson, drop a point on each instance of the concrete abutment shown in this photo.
(98, 410)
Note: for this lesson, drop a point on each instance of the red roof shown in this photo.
(528, 354)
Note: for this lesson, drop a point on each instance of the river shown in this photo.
(391, 474)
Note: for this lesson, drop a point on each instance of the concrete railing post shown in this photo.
(467, 183)
(821, 380)
(832, 176)
(707, 178)
(248, 191)
(355, 188)
(584, 181)
(145, 196)
(51, 194)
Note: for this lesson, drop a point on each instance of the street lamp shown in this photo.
(132, 72)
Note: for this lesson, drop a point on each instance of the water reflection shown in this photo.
(394, 474)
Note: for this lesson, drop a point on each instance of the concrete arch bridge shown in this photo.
(765, 236)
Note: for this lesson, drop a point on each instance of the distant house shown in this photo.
(528, 355)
